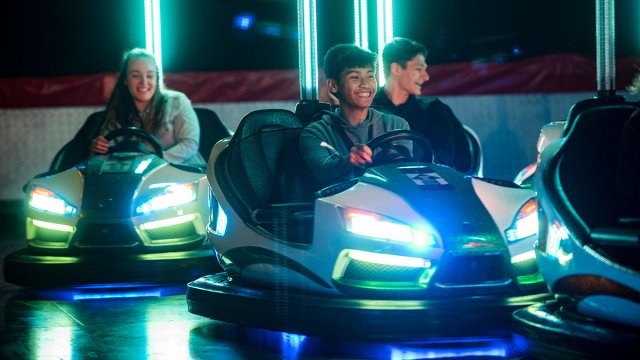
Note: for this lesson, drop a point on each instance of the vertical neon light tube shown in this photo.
(605, 47)
(152, 30)
(307, 50)
(385, 32)
(360, 16)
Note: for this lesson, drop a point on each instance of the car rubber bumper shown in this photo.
(281, 309)
(28, 269)
(555, 330)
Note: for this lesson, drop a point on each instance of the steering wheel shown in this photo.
(133, 145)
(394, 152)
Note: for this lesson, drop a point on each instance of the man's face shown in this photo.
(356, 87)
(412, 76)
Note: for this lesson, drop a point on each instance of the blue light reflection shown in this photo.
(111, 291)
(293, 346)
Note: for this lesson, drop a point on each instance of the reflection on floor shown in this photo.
(135, 328)
(153, 322)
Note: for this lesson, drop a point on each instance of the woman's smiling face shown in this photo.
(141, 80)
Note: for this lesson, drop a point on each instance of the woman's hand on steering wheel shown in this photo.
(99, 145)
(149, 142)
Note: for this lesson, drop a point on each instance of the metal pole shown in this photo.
(605, 47)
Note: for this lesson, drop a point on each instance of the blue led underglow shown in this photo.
(109, 295)
(291, 345)
(112, 291)
(453, 348)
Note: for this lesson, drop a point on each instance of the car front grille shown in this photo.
(527, 267)
(465, 270)
(51, 238)
(366, 271)
(177, 231)
(106, 235)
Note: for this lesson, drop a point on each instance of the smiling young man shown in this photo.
(405, 70)
(334, 146)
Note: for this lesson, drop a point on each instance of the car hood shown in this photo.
(446, 199)
(110, 183)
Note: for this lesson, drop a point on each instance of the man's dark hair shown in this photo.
(345, 56)
(401, 50)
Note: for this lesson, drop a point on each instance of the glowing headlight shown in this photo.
(46, 200)
(525, 223)
(221, 221)
(380, 227)
(170, 195)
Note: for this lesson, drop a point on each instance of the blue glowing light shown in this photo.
(272, 30)
(114, 295)
(112, 291)
(291, 345)
(453, 348)
(244, 21)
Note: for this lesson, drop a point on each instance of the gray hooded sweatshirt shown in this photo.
(326, 151)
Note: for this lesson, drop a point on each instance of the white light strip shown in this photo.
(167, 222)
(307, 50)
(142, 166)
(153, 36)
(386, 259)
(385, 32)
(148, 25)
(531, 254)
(360, 15)
(53, 226)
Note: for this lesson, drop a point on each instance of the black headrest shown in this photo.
(211, 130)
(259, 121)
(588, 164)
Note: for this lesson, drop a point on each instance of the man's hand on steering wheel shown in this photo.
(360, 155)
(391, 152)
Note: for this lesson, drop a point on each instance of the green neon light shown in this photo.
(53, 226)
(422, 270)
(385, 32)
(361, 23)
(153, 37)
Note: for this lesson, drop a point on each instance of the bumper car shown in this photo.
(549, 133)
(555, 130)
(589, 247)
(400, 251)
(125, 217)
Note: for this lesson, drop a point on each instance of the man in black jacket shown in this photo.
(405, 69)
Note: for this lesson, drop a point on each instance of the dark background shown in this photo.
(74, 37)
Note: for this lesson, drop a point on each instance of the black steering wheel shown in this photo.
(394, 152)
(135, 145)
